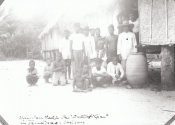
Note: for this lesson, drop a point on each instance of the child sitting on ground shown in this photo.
(59, 71)
(32, 77)
(115, 70)
(48, 71)
(82, 80)
(100, 78)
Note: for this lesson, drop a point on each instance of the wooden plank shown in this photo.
(2, 121)
(157, 26)
(171, 21)
(145, 7)
(158, 22)
(168, 67)
(169, 122)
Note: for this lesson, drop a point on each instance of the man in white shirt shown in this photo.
(65, 51)
(115, 70)
(100, 78)
(126, 43)
(89, 44)
(77, 47)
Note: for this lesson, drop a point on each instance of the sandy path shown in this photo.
(124, 107)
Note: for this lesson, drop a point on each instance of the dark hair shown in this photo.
(115, 58)
(31, 61)
(76, 24)
(111, 26)
(67, 31)
(97, 29)
(98, 60)
(86, 28)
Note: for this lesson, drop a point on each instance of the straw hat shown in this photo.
(125, 23)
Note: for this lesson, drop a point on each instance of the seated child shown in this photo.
(100, 78)
(115, 70)
(48, 71)
(59, 71)
(32, 77)
(82, 80)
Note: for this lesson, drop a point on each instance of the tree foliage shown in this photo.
(17, 37)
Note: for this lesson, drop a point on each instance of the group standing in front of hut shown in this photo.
(93, 60)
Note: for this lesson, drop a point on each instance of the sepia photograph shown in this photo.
(87, 62)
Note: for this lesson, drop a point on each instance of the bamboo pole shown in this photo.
(166, 17)
(2, 121)
(151, 21)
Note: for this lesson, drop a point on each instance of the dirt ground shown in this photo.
(120, 106)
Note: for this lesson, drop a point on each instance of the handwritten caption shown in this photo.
(60, 120)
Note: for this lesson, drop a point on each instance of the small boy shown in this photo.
(48, 71)
(99, 75)
(32, 77)
(86, 75)
(59, 71)
(82, 81)
(115, 70)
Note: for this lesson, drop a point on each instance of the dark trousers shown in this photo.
(100, 81)
(78, 60)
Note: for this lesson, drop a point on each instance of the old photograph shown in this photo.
(87, 62)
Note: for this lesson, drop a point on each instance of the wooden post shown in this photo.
(168, 67)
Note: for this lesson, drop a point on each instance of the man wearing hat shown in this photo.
(126, 42)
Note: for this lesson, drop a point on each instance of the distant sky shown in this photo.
(27, 9)
(95, 12)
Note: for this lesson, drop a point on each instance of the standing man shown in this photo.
(66, 54)
(135, 21)
(100, 46)
(89, 44)
(92, 32)
(111, 43)
(77, 47)
(126, 43)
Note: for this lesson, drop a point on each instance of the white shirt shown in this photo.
(65, 48)
(101, 71)
(114, 70)
(77, 41)
(126, 44)
(48, 69)
(89, 44)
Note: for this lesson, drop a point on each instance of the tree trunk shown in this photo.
(168, 67)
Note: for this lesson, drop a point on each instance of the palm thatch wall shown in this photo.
(157, 25)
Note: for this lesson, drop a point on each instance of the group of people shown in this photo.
(94, 61)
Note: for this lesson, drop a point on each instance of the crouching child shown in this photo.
(115, 70)
(48, 71)
(59, 71)
(82, 81)
(32, 76)
(100, 78)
